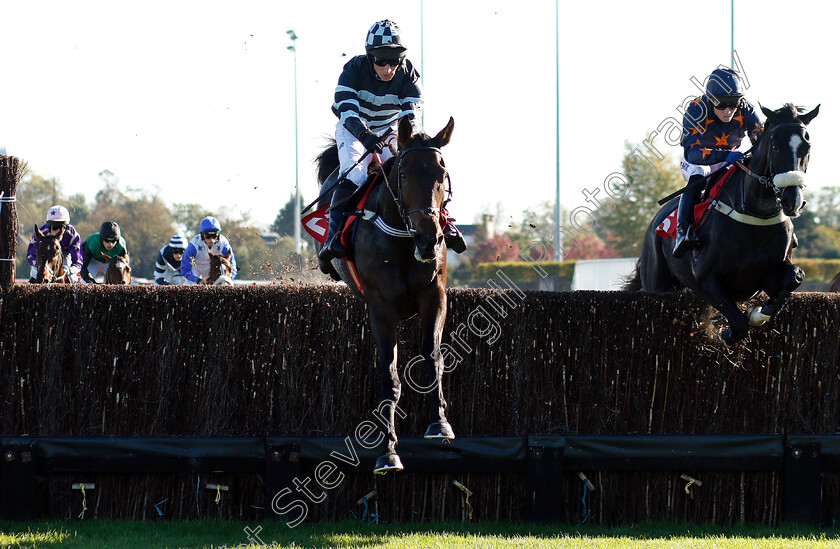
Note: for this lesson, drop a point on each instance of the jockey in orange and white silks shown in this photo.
(713, 127)
(195, 264)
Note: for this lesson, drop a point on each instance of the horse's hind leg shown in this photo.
(384, 324)
(791, 277)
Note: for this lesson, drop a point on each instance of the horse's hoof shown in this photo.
(756, 316)
(441, 430)
(731, 337)
(387, 463)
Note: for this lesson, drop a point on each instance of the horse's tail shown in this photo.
(633, 281)
(835, 284)
(327, 161)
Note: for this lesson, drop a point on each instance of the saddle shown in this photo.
(715, 185)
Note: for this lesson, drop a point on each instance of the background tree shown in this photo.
(188, 217)
(284, 223)
(622, 221)
(145, 223)
(498, 248)
(250, 249)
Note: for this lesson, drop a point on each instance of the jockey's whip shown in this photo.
(333, 185)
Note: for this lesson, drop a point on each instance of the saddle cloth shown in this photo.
(318, 222)
(668, 227)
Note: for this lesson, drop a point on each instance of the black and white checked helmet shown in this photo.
(383, 38)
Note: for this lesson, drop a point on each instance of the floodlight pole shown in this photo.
(558, 242)
(296, 208)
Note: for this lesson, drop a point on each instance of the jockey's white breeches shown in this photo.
(351, 149)
(687, 169)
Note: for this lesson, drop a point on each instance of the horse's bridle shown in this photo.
(767, 180)
(398, 198)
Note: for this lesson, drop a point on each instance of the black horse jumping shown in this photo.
(746, 241)
(400, 257)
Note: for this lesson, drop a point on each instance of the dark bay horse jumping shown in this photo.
(747, 239)
(403, 275)
(49, 262)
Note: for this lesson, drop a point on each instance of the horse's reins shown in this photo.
(765, 180)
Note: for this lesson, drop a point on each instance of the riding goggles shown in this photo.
(728, 104)
(213, 235)
(56, 225)
(110, 240)
(379, 62)
(177, 250)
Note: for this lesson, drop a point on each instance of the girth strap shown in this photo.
(380, 224)
(731, 212)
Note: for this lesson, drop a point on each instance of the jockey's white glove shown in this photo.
(74, 270)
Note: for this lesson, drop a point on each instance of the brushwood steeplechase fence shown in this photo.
(249, 402)
(161, 396)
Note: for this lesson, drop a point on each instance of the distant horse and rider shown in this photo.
(49, 263)
(221, 270)
(399, 261)
(747, 235)
(118, 270)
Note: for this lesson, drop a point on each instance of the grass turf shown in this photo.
(109, 534)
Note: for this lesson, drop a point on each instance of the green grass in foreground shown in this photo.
(218, 534)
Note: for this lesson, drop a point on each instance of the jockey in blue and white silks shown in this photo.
(195, 265)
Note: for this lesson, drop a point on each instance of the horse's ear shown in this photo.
(767, 112)
(808, 116)
(38, 234)
(404, 132)
(443, 137)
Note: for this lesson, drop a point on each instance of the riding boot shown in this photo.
(453, 237)
(685, 215)
(338, 216)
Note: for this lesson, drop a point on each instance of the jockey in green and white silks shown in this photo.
(99, 248)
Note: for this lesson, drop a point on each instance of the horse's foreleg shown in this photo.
(791, 278)
(384, 324)
(713, 291)
(432, 318)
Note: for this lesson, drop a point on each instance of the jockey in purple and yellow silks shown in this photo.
(713, 127)
(374, 92)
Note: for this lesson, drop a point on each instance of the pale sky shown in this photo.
(194, 100)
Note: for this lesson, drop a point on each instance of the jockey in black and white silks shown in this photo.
(374, 92)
